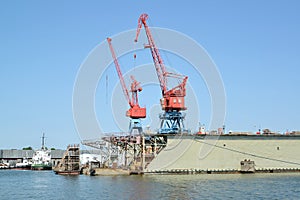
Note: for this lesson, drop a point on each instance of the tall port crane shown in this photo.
(172, 101)
(135, 112)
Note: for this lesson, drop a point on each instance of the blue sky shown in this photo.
(255, 45)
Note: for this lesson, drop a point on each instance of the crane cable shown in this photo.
(164, 53)
(134, 55)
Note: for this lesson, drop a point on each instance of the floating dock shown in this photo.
(204, 154)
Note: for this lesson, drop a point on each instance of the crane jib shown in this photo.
(173, 99)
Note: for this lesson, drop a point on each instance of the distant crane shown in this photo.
(135, 112)
(172, 101)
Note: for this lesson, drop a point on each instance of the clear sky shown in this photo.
(255, 45)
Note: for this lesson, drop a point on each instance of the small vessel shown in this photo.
(41, 159)
(4, 166)
(70, 162)
(24, 165)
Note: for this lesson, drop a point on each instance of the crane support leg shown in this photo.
(172, 122)
(135, 127)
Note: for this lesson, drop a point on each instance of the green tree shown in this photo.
(27, 148)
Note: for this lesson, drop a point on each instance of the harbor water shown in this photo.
(47, 185)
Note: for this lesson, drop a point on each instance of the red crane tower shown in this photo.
(135, 112)
(172, 101)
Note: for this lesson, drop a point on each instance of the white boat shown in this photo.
(4, 166)
(41, 159)
(25, 164)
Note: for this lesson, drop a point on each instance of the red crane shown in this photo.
(135, 111)
(172, 101)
